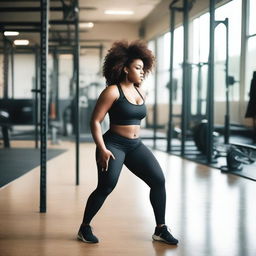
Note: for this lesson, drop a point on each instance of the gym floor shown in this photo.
(211, 213)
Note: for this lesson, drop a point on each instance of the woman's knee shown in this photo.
(158, 182)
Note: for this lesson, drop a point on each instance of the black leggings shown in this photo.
(140, 161)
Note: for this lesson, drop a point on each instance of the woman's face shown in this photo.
(135, 72)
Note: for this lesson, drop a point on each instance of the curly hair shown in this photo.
(121, 55)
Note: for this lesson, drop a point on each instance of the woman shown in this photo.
(124, 68)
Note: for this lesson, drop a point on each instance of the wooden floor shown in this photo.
(209, 212)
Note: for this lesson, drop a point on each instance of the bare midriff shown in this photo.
(128, 131)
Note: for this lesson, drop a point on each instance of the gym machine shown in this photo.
(70, 14)
(205, 131)
(186, 74)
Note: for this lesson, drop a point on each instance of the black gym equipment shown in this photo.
(15, 112)
(203, 133)
(60, 41)
(185, 8)
(43, 102)
(240, 160)
(238, 156)
(200, 130)
(69, 44)
(20, 111)
(76, 70)
(200, 135)
(5, 125)
(210, 88)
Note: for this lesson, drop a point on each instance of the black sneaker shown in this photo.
(162, 234)
(85, 234)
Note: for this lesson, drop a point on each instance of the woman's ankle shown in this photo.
(85, 224)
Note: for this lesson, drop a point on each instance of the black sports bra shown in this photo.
(123, 112)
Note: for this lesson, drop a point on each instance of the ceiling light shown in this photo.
(119, 12)
(86, 25)
(11, 33)
(21, 42)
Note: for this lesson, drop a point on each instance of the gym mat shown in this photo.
(14, 162)
(248, 171)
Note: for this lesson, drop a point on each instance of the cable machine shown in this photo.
(186, 84)
(186, 70)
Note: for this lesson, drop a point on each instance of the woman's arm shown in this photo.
(104, 102)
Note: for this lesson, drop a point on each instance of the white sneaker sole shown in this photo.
(160, 239)
(81, 238)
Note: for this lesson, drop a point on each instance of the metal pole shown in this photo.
(77, 54)
(242, 70)
(210, 89)
(227, 116)
(185, 80)
(56, 83)
(170, 122)
(189, 94)
(37, 64)
(199, 90)
(43, 103)
(57, 88)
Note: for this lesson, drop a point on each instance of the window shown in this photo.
(252, 20)
(150, 80)
(65, 76)
(199, 57)
(163, 76)
(251, 48)
(24, 72)
(177, 64)
(232, 11)
(163, 65)
(200, 41)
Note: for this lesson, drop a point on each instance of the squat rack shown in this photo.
(186, 79)
(71, 13)
(187, 6)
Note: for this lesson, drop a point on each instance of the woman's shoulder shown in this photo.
(112, 87)
(111, 91)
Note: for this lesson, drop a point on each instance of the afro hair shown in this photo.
(121, 55)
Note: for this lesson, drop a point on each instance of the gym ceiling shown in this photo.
(24, 16)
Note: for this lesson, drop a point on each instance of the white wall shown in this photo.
(1, 75)
(24, 71)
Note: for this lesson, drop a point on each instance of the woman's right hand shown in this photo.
(103, 159)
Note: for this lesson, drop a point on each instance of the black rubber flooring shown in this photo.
(14, 162)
